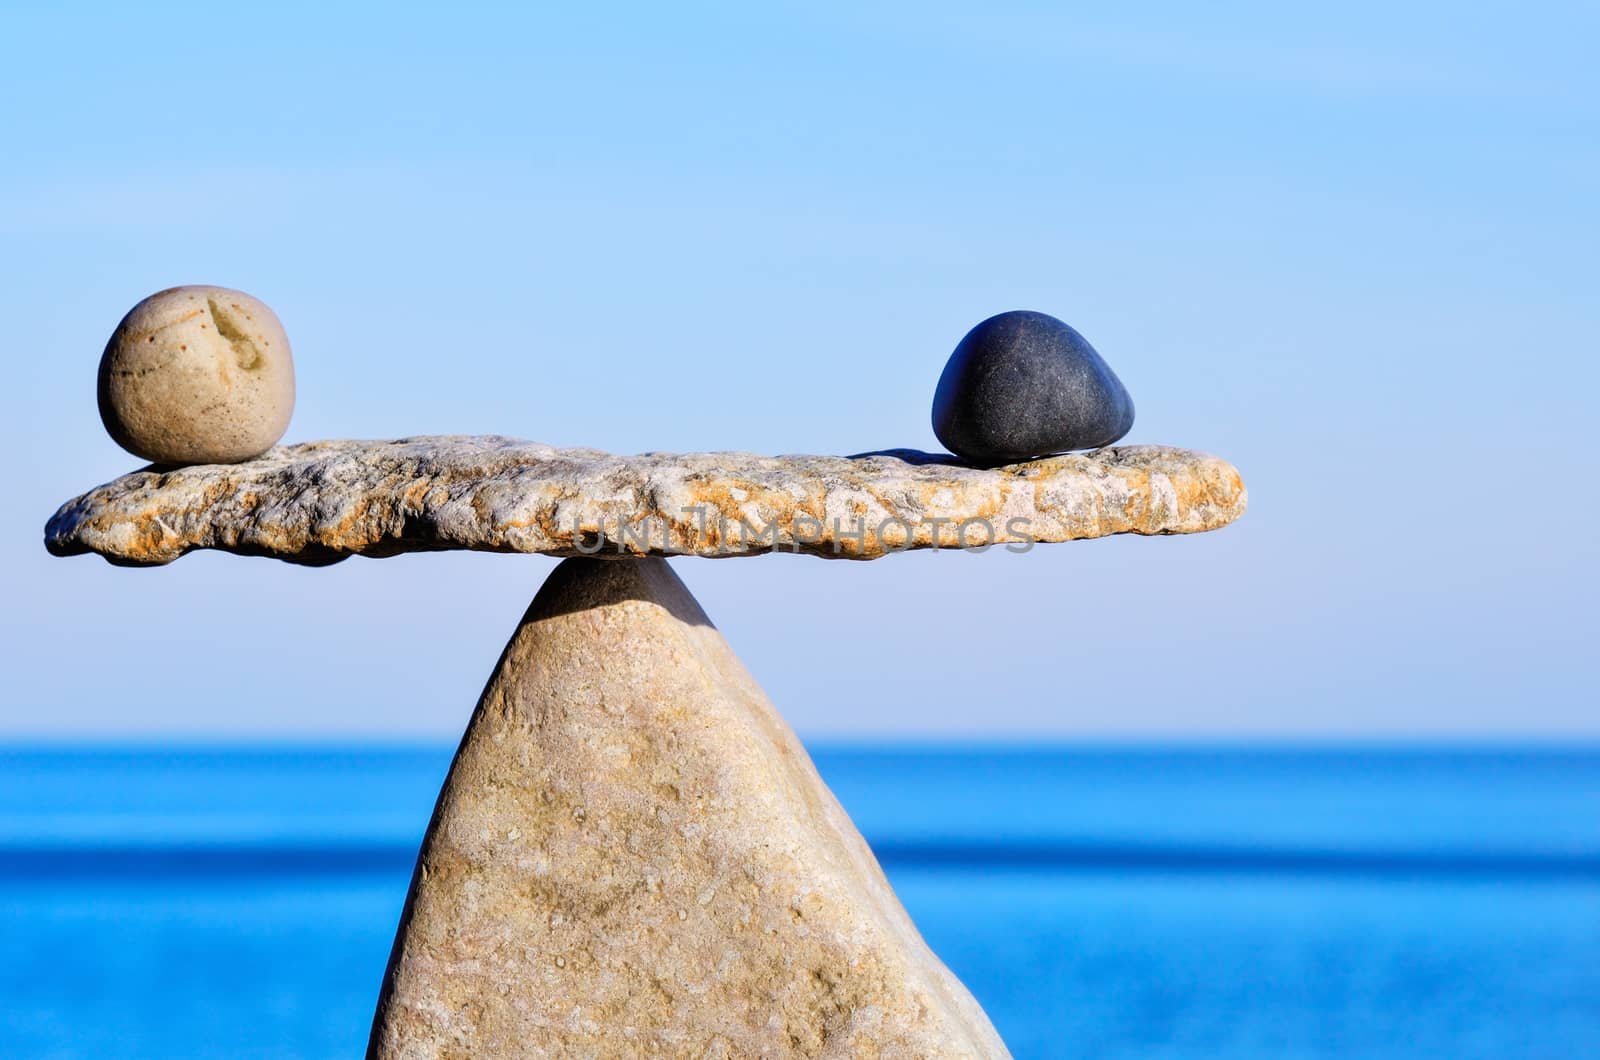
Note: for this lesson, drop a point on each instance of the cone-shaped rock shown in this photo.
(633, 856)
(1023, 385)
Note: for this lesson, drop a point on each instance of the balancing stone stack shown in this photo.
(633, 855)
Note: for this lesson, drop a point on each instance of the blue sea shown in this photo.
(1108, 902)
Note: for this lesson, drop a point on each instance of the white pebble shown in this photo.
(197, 375)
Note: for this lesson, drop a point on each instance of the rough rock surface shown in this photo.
(633, 856)
(322, 501)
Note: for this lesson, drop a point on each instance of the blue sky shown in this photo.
(1350, 249)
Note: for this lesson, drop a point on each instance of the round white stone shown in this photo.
(197, 375)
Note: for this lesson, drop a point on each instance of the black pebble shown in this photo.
(1022, 385)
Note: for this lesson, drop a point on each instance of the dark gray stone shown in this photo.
(1023, 385)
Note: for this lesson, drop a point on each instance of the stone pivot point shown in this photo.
(1023, 385)
(633, 856)
(197, 375)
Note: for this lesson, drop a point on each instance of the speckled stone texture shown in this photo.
(1024, 384)
(197, 375)
(633, 856)
(322, 501)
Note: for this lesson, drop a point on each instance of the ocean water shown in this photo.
(1130, 902)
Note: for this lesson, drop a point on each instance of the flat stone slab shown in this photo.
(319, 502)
